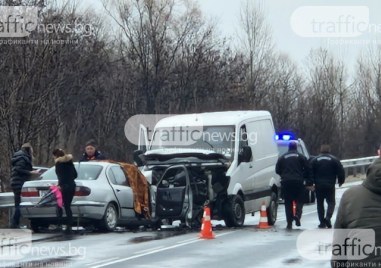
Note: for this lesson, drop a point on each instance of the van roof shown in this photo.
(227, 118)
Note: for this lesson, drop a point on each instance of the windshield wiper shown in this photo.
(211, 146)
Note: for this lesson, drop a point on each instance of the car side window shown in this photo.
(111, 176)
(120, 178)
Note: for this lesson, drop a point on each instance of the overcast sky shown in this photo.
(279, 13)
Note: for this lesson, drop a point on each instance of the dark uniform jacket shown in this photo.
(360, 206)
(293, 166)
(326, 168)
(65, 170)
(21, 168)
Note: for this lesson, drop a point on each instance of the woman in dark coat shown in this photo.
(22, 171)
(66, 174)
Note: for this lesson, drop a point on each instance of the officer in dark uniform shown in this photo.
(326, 168)
(293, 169)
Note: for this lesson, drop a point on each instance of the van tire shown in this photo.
(272, 210)
(234, 211)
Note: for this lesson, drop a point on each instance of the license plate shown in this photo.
(42, 193)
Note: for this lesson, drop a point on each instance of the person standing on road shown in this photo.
(360, 208)
(294, 170)
(91, 152)
(66, 174)
(326, 168)
(22, 170)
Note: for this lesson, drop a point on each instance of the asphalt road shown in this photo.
(232, 247)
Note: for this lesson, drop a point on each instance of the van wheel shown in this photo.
(272, 210)
(110, 218)
(234, 211)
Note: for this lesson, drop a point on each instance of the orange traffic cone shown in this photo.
(294, 208)
(206, 227)
(263, 223)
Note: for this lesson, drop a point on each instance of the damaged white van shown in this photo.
(223, 159)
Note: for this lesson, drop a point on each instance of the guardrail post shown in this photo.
(362, 169)
(354, 169)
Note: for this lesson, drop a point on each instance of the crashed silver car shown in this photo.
(105, 196)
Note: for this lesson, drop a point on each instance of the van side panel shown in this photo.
(255, 176)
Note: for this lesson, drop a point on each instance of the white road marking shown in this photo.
(101, 261)
(184, 243)
(147, 250)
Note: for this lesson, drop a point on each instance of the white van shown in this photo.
(223, 159)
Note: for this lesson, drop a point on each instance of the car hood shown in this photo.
(168, 154)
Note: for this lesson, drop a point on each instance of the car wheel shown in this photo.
(234, 211)
(272, 210)
(110, 218)
(36, 225)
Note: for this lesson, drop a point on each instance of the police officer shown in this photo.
(326, 168)
(293, 169)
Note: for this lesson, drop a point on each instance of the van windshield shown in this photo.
(219, 139)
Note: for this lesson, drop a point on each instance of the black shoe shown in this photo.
(328, 223)
(289, 226)
(322, 225)
(297, 221)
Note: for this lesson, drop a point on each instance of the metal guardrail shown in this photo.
(357, 166)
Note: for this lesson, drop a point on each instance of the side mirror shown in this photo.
(138, 158)
(245, 154)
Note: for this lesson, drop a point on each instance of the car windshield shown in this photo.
(85, 172)
(219, 139)
(283, 148)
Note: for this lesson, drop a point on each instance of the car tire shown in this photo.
(110, 218)
(234, 211)
(272, 210)
(36, 224)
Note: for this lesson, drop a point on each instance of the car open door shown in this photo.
(143, 141)
(174, 198)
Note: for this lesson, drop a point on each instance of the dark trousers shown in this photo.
(67, 191)
(293, 191)
(17, 214)
(325, 192)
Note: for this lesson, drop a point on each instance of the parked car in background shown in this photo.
(283, 140)
(104, 197)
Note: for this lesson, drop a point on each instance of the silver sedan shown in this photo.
(102, 198)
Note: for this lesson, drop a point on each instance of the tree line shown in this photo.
(148, 56)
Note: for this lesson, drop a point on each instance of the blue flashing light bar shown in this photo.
(285, 136)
